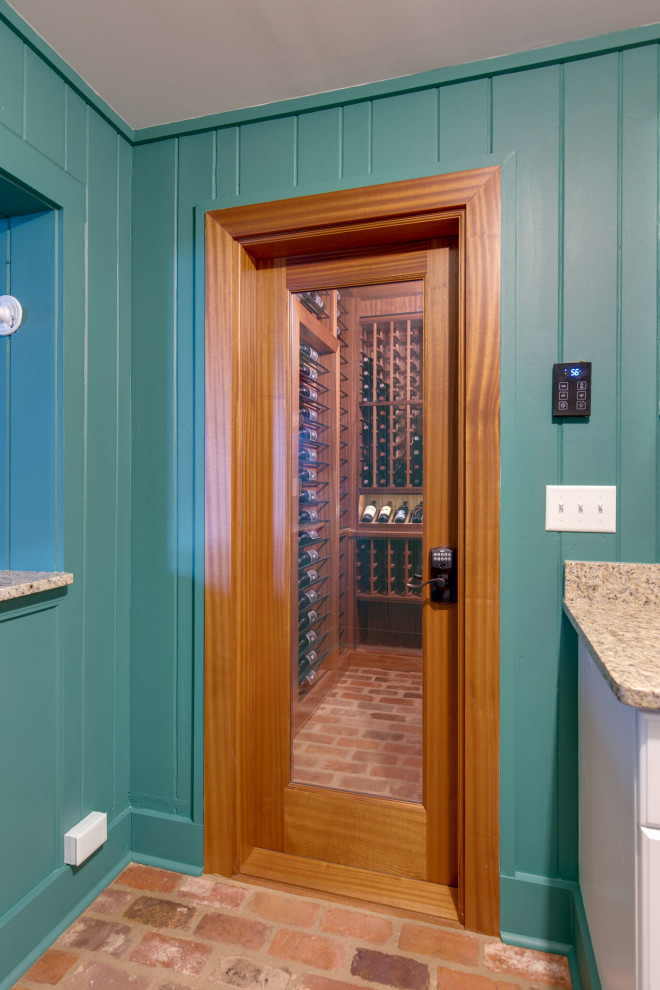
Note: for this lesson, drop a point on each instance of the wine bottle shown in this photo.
(309, 556)
(309, 372)
(308, 660)
(369, 512)
(401, 513)
(308, 414)
(307, 474)
(307, 578)
(399, 473)
(307, 598)
(417, 513)
(385, 513)
(307, 454)
(366, 476)
(306, 620)
(382, 391)
(308, 435)
(309, 393)
(306, 640)
(307, 495)
(308, 536)
(310, 678)
(308, 516)
(308, 351)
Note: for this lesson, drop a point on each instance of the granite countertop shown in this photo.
(615, 608)
(16, 584)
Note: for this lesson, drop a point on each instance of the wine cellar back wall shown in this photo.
(360, 476)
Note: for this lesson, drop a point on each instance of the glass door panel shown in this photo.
(356, 666)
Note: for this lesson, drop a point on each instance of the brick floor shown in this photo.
(156, 930)
(366, 735)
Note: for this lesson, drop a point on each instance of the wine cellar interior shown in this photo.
(356, 675)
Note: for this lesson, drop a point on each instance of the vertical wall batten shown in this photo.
(638, 306)
(465, 120)
(153, 475)
(619, 277)
(195, 181)
(356, 140)
(227, 161)
(525, 116)
(5, 357)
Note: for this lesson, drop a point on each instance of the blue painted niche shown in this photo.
(30, 373)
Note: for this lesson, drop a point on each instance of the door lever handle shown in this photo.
(441, 580)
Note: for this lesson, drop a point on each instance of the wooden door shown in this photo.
(440, 855)
(311, 831)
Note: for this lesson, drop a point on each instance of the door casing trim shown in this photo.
(238, 239)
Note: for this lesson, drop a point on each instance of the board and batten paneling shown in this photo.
(578, 141)
(66, 500)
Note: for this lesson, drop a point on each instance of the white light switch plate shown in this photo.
(580, 508)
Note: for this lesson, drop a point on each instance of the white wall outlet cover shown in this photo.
(580, 508)
(85, 838)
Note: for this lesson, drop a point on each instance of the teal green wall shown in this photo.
(579, 143)
(64, 499)
(576, 131)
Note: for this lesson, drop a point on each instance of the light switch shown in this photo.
(580, 508)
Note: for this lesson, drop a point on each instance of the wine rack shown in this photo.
(391, 404)
(359, 410)
(314, 503)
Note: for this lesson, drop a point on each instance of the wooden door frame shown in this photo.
(243, 244)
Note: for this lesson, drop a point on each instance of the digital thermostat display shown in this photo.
(571, 389)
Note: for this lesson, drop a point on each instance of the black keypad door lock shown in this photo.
(442, 570)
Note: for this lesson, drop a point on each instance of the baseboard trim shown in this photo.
(167, 841)
(30, 927)
(548, 915)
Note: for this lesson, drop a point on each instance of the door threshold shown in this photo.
(382, 892)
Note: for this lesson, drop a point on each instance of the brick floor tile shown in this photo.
(97, 935)
(247, 974)
(159, 913)
(453, 979)
(368, 784)
(314, 981)
(237, 931)
(357, 925)
(459, 947)
(383, 736)
(537, 967)
(366, 756)
(111, 901)
(209, 890)
(339, 766)
(315, 737)
(406, 792)
(148, 878)
(397, 773)
(103, 977)
(285, 910)
(179, 954)
(387, 717)
(314, 950)
(51, 967)
(392, 971)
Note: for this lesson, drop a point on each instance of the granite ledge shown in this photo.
(615, 609)
(17, 584)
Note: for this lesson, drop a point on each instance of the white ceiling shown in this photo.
(158, 61)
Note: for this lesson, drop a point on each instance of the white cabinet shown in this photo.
(619, 758)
